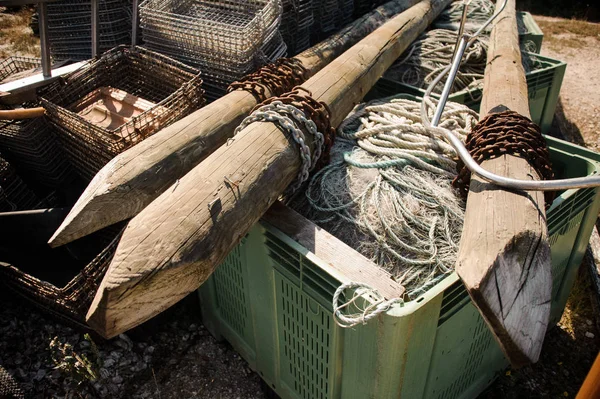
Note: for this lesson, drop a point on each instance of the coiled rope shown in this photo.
(387, 192)
(431, 53)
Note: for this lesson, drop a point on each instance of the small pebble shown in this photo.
(149, 349)
(589, 334)
(40, 375)
(117, 379)
(589, 322)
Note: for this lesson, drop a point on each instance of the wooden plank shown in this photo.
(175, 243)
(139, 175)
(342, 262)
(22, 88)
(504, 254)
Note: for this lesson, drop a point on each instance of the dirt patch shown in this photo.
(578, 44)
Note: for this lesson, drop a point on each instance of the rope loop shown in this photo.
(273, 79)
(363, 314)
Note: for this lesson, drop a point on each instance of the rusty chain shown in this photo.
(505, 133)
(273, 79)
(316, 111)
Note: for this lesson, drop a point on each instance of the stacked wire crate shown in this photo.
(296, 22)
(224, 39)
(70, 31)
(330, 15)
(14, 193)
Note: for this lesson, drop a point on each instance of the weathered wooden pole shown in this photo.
(133, 179)
(175, 243)
(504, 255)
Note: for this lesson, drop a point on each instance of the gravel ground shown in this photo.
(173, 356)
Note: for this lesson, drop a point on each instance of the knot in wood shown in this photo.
(317, 111)
(505, 133)
(272, 79)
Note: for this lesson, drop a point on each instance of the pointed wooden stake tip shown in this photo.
(514, 298)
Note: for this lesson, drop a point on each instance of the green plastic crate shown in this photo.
(271, 299)
(543, 85)
(531, 32)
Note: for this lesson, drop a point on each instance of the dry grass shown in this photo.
(568, 32)
(16, 37)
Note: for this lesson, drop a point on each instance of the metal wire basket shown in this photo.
(14, 65)
(296, 22)
(72, 301)
(224, 39)
(14, 193)
(32, 147)
(169, 89)
(70, 31)
(330, 15)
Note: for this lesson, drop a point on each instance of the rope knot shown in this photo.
(370, 305)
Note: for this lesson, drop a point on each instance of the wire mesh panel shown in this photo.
(14, 65)
(151, 91)
(31, 146)
(70, 31)
(14, 193)
(330, 15)
(296, 23)
(224, 39)
(71, 301)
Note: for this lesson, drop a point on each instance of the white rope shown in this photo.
(387, 192)
(374, 305)
(293, 121)
(431, 53)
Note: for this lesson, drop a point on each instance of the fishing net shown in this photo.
(387, 191)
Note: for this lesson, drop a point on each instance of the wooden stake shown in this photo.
(174, 244)
(133, 179)
(504, 255)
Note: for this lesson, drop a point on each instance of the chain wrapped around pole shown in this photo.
(505, 133)
(276, 78)
(298, 114)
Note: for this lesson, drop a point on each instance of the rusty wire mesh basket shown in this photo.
(225, 39)
(70, 30)
(118, 100)
(14, 65)
(72, 301)
(14, 193)
(31, 146)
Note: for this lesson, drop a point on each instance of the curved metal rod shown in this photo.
(534, 185)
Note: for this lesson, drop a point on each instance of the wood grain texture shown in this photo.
(504, 255)
(174, 244)
(133, 179)
(342, 261)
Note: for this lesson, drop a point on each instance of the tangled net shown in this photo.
(431, 53)
(387, 190)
